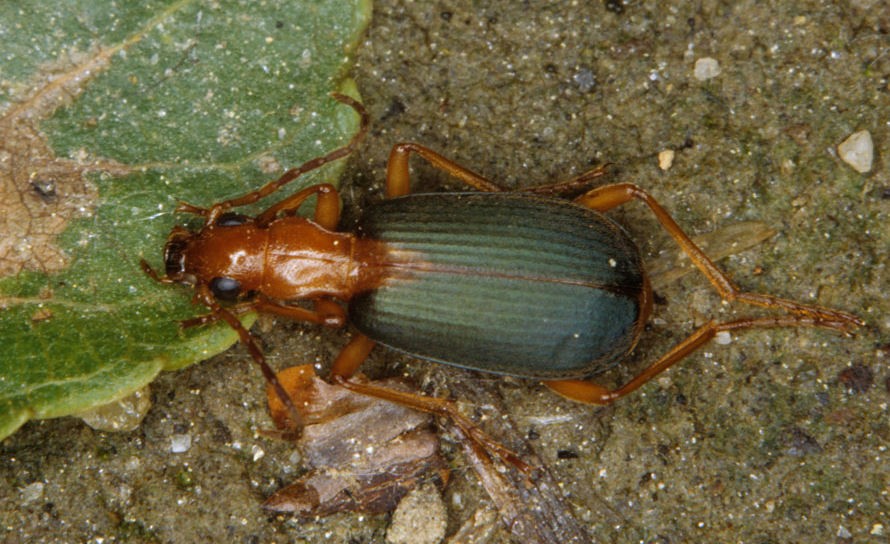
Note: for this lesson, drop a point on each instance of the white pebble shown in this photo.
(666, 159)
(258, 453)
(32, 492)
(180, 443)
(857, 151)
(706, 68)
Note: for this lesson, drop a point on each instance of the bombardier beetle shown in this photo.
(520, 283)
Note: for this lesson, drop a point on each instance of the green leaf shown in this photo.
(112, 113)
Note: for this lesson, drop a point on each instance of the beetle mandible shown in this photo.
(519, 283)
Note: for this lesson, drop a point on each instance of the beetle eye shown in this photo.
(225, 288)
(230, 219)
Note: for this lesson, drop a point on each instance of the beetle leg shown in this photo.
(292, 312)
(327, 208)
(352, 356)
(355, 353)
(331, 313)
(575, 185)
(482, 443)
(327, 312)
(204, 296)
(593, 393)
(207, 319)
(398, 178)
(610, 196)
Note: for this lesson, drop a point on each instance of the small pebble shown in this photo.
(420, 518)
(180, 443)
(585, 80)
(706, 68)
(123, 415)
(666, 159)
(32, 492)
(857, 151)
(856, 378)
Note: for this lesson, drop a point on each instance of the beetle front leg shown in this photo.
(326, 312)
(573, 186)
(207, 319)
(204, 296)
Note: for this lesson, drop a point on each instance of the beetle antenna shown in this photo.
(212, 214)
(153, 274)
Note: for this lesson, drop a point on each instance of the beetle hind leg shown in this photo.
(610, 196)
(482, 444)
(796, 314)
(590, 392)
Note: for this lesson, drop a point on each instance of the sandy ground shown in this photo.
(766, 439)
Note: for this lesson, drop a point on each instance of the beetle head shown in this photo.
(225, 256)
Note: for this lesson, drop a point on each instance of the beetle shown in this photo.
(518, 283)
